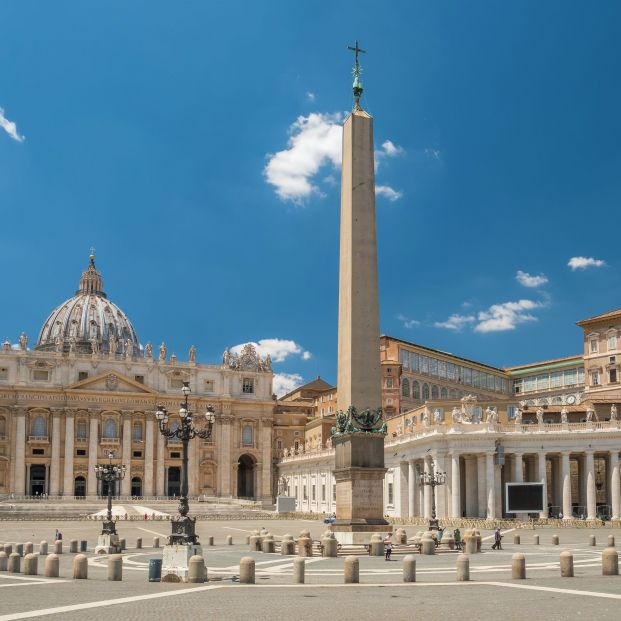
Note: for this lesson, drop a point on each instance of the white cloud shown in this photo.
(390, 149)
(310, 96)
(581, 263)
(506, 316)
(408, 323)
(278, 349)
(432, 154)
(315, 140)
(455, 322)
(9, 127)
(531, 281)
(390, 193)
(286, 382)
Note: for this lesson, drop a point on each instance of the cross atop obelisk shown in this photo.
(357, 85)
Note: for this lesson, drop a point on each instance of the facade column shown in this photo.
(615, 485)
(404, 496)
(518, 468)
(481, 487)
(490, 477)
(427, 488)
(566, 480)
(224, 461)
(455, 486)
(193, 450)
(149, 446)
(160, 465)
(54, 480)
(542, 476)
(411, 488)
(471, 486)
(19, 476)
(591, 492)
(441, 512)
(69, 452)
(266, 458)
(93, 440)
(126, 483)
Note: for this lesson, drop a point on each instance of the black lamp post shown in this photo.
(183, 526)
(109, 473)
(434, 480)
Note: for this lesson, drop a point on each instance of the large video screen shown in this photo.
(524, 497)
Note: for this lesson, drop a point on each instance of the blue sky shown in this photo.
(194, 145)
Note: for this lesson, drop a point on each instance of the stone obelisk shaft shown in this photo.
(358, 347)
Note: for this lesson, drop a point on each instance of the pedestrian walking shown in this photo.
(497, 540)
(388, 546)
(457, 537)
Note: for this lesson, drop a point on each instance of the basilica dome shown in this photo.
(89, 322)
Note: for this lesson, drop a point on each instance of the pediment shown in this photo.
(111, 382)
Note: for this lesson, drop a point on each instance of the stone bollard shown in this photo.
(138, 543)
(196, 569)
(428, 546)
(610, 562)
(229, 540)
(518, 567)
(536, 540)
(287, 545)
(555, 540)
(3, 560)
(255, 543)
(31, 564)
(477, 533)
(58, 547)
(401, 537)
(123, 544)
(351, 573)
(516, 540)
(14, 563)
(376, 548)
(305, 546)
(409, 568)
(298, 570)
(43, 548)
(448, 541)
(8, 548)
(470, 544)
(156, 542)
(115, 567)
(73, 546)
(305, 533)
(80, 567)
(52, 564)
(567, 564)
(19, 548)
(330, 546)
(211, 541)
(28, 548)
(246, 570)
(611, 541)
(463, 568)
(268, 545)
(592, 540)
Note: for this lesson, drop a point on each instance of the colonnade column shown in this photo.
(149, 446)
(193, 450)
(411, 488)
(566, 479)
(542, 476)
(69, 451)
(481, 486)
(427, 489)
(19, 476)
(615, 483)
(440, 490)
(224, 452)
(160, 464)
(126, 483)
(490, 476)
(591, 498)
(404, 488)
(54, 482)
(91, 484)
(518, 475)
(455, 486)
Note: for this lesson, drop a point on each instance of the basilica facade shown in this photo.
(87, 387)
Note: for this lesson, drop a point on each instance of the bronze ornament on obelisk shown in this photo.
(358, 436)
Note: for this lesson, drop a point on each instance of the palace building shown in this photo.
(88, 386)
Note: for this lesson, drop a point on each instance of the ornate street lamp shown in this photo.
(109, 473)
(183, 526)
(433, 479)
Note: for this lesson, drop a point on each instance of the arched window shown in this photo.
(110, 429)
(38, 426)
(425, 391)
(82, 430)
(435, 393)
(247, 435)
(405, 387)
(137, 432)
(415, 390)
(443, 393)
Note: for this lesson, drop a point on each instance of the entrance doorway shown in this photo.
(174, 481)
(105, 485)
(79, 487)
(37, 480)
(136, 486)
(245, 477)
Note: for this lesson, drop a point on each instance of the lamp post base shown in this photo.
(108, 544)
(176, 561)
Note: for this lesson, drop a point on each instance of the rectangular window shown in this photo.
(40, 376)
(581, 375)
(511, 411)
(612, 343)
(451, 371)
(38, 451)
(530, 383)
(593, 346)
(497, 383)
(490, 382)
(4, 373)
(305, 496)
(176, 384)
(570, 377)
(323, 492)
(175, 455)
(389, 382)
(612, 359)
(556, 379)
(517, 386)
(333, 491)
(467, 375)
(441, 368)
(433, 366)
(414, 361)
(594, 378)
(390, 494)
(137, 454)
(404, 357)
(313, 493)
(139, 379)
(613, 376)
(424, 364)
(248, 385)
(82, 375)
(81, 452)
(543, 382)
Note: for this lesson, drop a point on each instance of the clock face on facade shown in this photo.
(571, 399)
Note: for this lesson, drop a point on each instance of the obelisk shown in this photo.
(358, 435)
